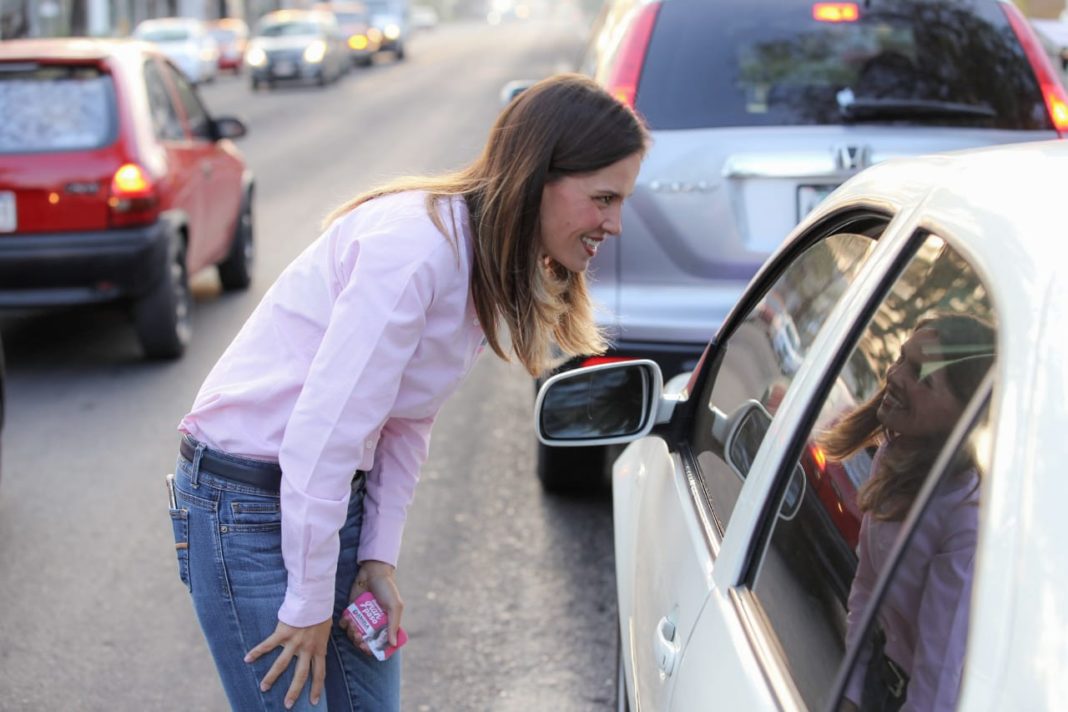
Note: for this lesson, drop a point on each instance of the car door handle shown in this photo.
(664, 647)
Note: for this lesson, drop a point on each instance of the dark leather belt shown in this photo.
(265, 475)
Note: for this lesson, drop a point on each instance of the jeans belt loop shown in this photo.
(195, 476)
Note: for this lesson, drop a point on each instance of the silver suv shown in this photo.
(758, 110)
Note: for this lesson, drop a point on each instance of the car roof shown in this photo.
(72, 48)
(1007, 200)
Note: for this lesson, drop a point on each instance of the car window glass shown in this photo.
(55, 108)
(879, 427)
(757, 362)
(929, 62)
(914, 648)
(195, 114)
(165, 119)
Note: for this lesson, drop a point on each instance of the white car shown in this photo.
(187, 42)
(883, 521)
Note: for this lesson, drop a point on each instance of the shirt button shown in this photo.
(369, 445)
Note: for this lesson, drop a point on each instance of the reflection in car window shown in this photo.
(879, 429)
(914, 649)
(928, 62)
(758, 360)
(165, 118)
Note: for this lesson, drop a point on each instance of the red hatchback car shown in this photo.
(116, 184)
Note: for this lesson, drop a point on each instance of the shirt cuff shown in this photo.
(380, 539)
(309, 607)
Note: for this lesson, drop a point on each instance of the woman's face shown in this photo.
(578, 212)
(919, 401)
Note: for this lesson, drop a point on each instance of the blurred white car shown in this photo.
(759, 564)
(187, 42)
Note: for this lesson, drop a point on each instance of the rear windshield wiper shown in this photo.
(862, 109)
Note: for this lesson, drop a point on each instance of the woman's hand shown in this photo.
(379, 578)
(308, 645)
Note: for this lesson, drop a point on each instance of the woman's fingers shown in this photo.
(318, 664)
(265, 646)
(299, 678)
(279, 667)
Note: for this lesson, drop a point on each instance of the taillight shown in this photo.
(835, 12)
(622, 81)
(133, 199)
(1052, 91)
(599, 360)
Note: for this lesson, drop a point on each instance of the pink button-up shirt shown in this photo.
(926, 608)
(343, 366)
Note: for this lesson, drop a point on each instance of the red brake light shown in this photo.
(598, 360)
(133, 199)
(1052, 91)
(130, 181)
(623, 78)
(835, 12)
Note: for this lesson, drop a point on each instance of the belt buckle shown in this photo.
(897, 687)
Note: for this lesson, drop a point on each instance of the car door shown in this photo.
(218, 182)
(182, 187)
(805, 609)
(674, 497)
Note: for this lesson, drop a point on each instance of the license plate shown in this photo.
(809, 196)
(285, 69)
(8, 217)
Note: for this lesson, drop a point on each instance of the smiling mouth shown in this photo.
(591, 244)
(892, 400)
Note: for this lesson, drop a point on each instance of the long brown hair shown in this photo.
(564, 125)
(902, 469)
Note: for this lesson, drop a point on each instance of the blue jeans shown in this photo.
(229, 544)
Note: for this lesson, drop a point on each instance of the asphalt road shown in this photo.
(510, 594)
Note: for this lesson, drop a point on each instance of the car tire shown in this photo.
(571, 470)
(163, 317)
(235, 272)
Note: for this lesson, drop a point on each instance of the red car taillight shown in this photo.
(599, 360)
(1052, 91)
(132, 199)
(622, 81)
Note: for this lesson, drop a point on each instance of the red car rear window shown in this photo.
(55, 108)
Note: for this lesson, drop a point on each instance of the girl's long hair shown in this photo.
(902, 468)
(564, 125)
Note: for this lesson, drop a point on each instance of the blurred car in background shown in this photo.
(361, 37)
(424, 17)
(186, 42)
(296, 46)
(734, 577)
(231, 34)
(116, 185)
(760, 108)
(390, 17)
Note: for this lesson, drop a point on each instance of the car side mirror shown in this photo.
(602, 405)
(745, 429)
(229, 127)
(513, 89)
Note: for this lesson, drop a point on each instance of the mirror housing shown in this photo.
(513, 88)
(229, 127)
(602, 405)
(745, 429)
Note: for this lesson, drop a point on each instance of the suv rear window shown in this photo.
(55, 108)
(770, 63)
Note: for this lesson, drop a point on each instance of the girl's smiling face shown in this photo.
(578, 212)
(919, 401)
